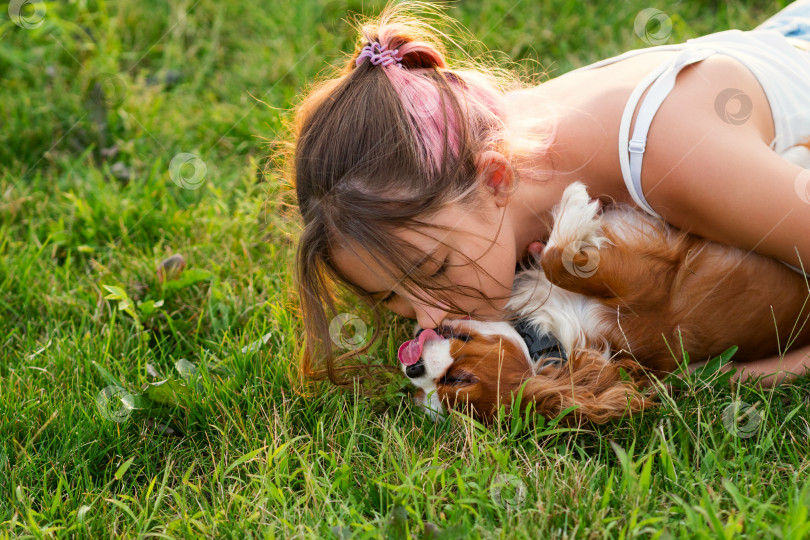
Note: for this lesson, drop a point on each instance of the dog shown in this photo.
(617, 297)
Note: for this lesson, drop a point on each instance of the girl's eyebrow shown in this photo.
(427, 258)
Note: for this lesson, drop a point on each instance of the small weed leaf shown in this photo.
(169, 393)
(710, 373)
(119, 295)
(187, 279)
(185, 368)
(122, 470)
(149, 307)
(258, 344)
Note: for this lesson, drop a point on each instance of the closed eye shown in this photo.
(449, 332)
(442, 268)
(457, 379)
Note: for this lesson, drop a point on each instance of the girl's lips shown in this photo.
(535, 249)
(410, 351)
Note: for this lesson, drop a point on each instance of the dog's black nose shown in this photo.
(415, 370)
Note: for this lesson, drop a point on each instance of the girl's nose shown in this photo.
(429, 316)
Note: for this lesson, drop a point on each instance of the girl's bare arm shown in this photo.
(720, 179)
(742, 193)
(776, 369)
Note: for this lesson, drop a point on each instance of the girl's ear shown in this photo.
(496, 174)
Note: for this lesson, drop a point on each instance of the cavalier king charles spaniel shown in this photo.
(618, 296)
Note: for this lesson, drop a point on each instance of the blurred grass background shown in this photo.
(96, 100)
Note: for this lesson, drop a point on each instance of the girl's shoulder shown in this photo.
(699, 88)
(589, 105)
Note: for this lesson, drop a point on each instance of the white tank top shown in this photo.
(782, 69)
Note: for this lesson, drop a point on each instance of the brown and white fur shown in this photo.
(618, 289)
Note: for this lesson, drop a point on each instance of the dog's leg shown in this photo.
(603, 258)
(577, 236)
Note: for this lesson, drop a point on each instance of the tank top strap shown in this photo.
(661, 81)
(629, 54)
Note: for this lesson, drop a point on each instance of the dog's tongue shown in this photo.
(410, 351)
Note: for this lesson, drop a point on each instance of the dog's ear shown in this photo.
(596, 386)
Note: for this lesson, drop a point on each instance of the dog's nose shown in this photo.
(415, 370)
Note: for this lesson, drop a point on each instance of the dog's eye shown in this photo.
(449, 333)
(456, 379)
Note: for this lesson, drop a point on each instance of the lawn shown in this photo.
(168, 404)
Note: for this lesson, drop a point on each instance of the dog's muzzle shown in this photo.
(410, 352)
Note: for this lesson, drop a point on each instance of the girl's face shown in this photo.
(472, 235)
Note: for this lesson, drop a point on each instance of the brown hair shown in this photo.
(380, 148)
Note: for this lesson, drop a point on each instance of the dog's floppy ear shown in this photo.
(594, 385)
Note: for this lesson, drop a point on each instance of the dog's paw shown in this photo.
(577, 221)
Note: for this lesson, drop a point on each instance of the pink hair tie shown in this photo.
(378, 54)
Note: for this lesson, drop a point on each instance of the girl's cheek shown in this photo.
(401, 308)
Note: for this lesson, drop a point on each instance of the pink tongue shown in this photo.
(410, 351)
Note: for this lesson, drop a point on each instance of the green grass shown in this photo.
(95, 103)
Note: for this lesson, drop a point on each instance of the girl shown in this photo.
(422, 185)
